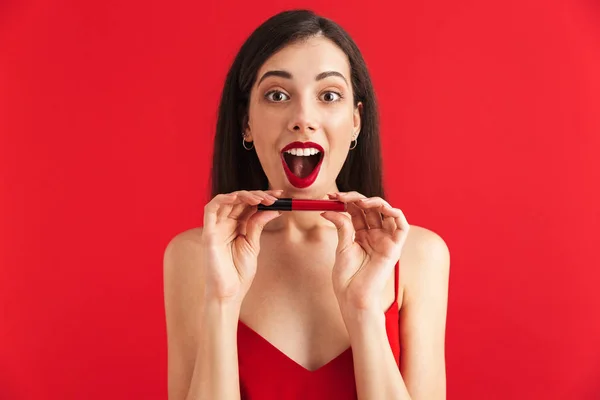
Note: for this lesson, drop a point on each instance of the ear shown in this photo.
(246, 129)
(357, 119)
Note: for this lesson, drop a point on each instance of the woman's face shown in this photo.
(303, 97)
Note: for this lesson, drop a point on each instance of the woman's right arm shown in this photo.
(202, 357)
(207, 273)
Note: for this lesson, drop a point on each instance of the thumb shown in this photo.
(256, 224)
(344, 226)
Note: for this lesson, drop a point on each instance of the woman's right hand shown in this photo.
(230, 242)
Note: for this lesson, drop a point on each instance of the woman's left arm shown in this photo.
(422, 374)
(367, 251)
(375, 370)
(422, 319)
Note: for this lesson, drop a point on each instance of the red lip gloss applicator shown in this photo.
(289, 204)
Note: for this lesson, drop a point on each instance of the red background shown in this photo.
(490, 124)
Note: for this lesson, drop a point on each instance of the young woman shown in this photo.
(303, 305)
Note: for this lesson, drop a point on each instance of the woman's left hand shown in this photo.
(364, 263)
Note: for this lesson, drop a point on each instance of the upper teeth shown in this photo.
(303, 152)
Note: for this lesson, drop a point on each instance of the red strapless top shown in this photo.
(268, 374)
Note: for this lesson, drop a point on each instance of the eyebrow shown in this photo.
(287, 75)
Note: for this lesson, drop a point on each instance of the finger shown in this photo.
(274, 192)
(243, 218)
(344, 228)
(256, 224)
(245, 199)
(237, 210)
(224, 211)
(226, 208)
(359, 220)
(389, 225)
(243, 213)
(270, 199)
(401, 233)
(348, 197)
(212, 207)
(372, 207)
(252, 198)
(402, 225)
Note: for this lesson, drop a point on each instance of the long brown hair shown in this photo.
(235, 168)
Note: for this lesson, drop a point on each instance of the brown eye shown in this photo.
(276, 96)
(331, 97)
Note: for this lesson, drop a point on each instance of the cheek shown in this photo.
(265, 115)
(340, 120)
(266, 125)
(339, 133)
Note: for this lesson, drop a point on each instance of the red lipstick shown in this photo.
(288, 204)
(310, 179)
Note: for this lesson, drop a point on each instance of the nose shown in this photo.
(304, 119)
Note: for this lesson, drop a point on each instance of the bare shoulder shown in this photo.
(424, 242)
(177, 255)
(425, 257)
(179, 265)
(180, 272)
(190, 235)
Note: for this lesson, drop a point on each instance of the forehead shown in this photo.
(308, 58)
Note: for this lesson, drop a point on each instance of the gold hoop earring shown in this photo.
(352, 147)
(244, 144)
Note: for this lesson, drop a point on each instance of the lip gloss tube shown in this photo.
(289, 204)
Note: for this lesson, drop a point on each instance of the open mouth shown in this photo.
(302, 166)
(302, 162)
